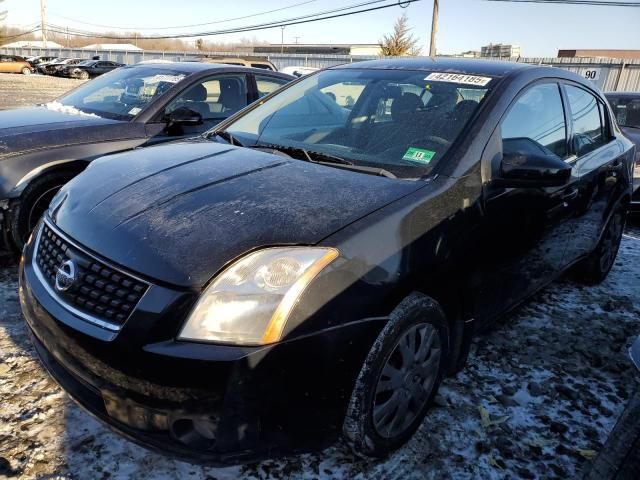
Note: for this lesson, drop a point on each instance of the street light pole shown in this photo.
(434, 28)
(282, 39)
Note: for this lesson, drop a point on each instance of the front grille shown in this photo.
(99, 292)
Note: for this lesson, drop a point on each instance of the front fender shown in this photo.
(17, 170)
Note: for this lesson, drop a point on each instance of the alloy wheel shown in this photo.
(407, 379)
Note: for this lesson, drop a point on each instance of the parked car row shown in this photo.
(305, 266)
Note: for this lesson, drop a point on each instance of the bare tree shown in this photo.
(400, 42)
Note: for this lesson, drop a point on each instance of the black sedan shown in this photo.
(89, 69)
(315, 265)
(626, 109)
(43, 147)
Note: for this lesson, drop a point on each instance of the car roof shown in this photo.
(493, 68)
(198, 67)
(193, 67)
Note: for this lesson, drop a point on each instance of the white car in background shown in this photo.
(299, 71)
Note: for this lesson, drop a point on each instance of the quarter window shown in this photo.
(267, 85)
(535, 123)
(588, 127)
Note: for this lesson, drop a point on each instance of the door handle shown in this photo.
(570, 195)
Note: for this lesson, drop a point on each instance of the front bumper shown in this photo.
(207, 403)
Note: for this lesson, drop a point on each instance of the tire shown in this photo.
(26, 71)
(34, 201)
(83, 75)
(395, 387)
(595, 268)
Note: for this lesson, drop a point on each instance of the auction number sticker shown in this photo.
(419, 155)
(458, 78)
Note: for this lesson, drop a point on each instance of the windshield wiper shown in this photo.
(228, 137)
(326, 159)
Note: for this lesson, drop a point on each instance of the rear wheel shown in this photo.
(399, 378)
(34, 202)
(26, 71)
(595, 268)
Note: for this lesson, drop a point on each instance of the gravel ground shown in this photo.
(541, 392)
(539, 396)
(20, 90)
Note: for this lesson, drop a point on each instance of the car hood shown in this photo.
(26, 129)
(179, 212)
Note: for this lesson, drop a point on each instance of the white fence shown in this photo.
(610, 74)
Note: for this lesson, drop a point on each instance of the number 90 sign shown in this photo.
(591, 74)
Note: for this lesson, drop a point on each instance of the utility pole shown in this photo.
(68, 41)
(43, 22)
(282, 40)
(434, 28)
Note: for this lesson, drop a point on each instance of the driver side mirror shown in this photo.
(533, 170)
(183, 116)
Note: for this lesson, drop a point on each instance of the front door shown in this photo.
(527, 229)
(215, 98)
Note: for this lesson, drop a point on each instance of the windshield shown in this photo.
(123, 93)
(401, 121)
(626, 110)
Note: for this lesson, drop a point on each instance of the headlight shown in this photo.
(250, 301)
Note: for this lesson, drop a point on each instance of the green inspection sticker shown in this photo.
(419, 155)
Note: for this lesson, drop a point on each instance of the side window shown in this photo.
(261, 65)
(214, 98)
(589, 131)
(267, 85)
(535, 123)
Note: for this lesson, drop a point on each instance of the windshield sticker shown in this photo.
(419, 155)
(135, 111)
(458, 78)
(165, 78)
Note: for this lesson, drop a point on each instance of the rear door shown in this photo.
(600, 164)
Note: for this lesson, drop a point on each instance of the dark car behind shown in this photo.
(89, 69)
(626, 108)
(43, 147)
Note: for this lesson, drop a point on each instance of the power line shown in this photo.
(598, 3)
(315, 17)
(192, 25)
(10, 37)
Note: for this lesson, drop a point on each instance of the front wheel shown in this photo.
(34, 202)
(84, 75)
(26, 71)
(399, 378)
(595, 268)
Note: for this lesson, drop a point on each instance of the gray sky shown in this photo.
(464, 24)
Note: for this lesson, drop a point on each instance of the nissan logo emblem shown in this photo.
(65, 276)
